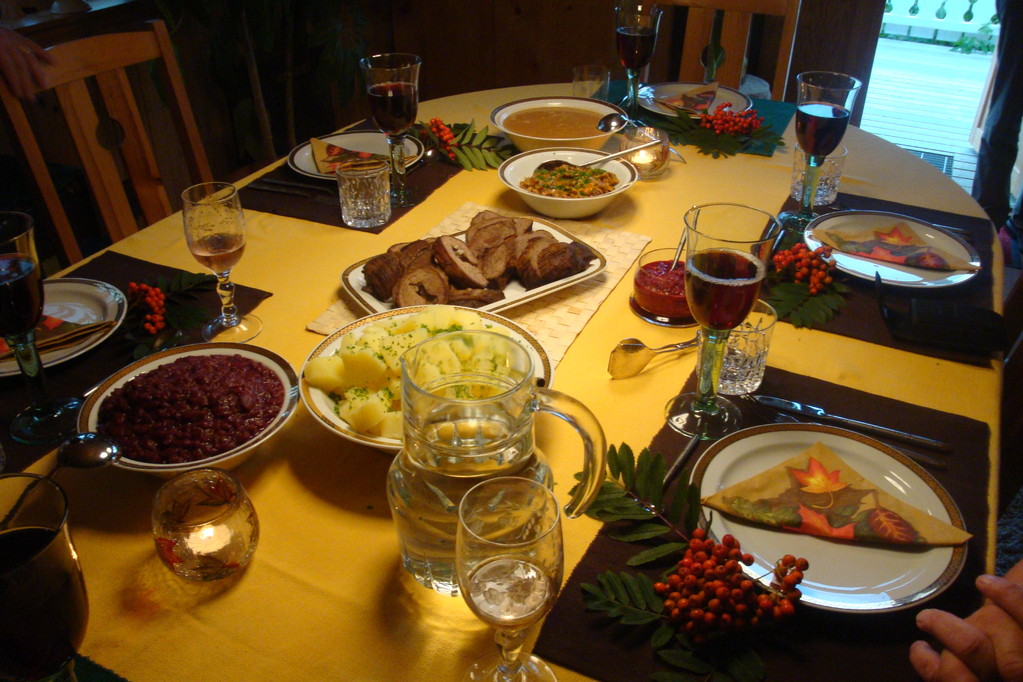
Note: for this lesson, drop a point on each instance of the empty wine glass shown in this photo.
(727, 248)
(823, 108)
(510, 562)
(635, 37)
(392, 81)
(215, 232)
(21, 307)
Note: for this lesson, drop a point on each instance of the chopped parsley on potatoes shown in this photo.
(363, 376)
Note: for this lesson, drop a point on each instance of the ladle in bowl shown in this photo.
(556, 163)
(86, 451)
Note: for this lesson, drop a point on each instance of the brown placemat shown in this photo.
(422, 180)
(816, 644)
(860, 317)
(81, 373)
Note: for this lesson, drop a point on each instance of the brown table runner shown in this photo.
(81, 373)
(860, 317)
(816, 644)
(422, 180)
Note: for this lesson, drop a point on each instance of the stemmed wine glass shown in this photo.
(392, 81)
(727, 250)
(823, 108)
(215, 232)
(510, 562)
(46, 420)
(635, 37)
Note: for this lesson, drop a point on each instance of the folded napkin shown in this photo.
(896, 243)
(817, 493)
(329, 157)
(697, 100)
(54, 333)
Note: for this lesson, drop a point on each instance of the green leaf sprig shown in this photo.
(180, 314)
(470, 148)
(683, 128)
(792, 301)
(633, 498)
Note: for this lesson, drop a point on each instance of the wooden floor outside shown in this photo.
(925, 98)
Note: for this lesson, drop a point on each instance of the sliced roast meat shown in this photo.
(421, 285)
(549, 263)
(382, 273)
(528, 247)
(474, 298)
(459, 263)
(496, 265)
(488, 229)
(414, 254)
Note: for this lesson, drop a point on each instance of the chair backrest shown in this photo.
(735, 36)
(108, 131)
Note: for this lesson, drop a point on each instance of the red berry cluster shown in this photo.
(444, 134)
(154, 301)
(708, 594)
(804, 265)
(729, 122)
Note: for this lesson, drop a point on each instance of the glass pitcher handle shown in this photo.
(586, 425)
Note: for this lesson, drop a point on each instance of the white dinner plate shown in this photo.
(893, 273)
(321, 406)
(860, 578)
(649, 94)
(82, 301)
(88, 417)
(301, 160)
(353, 280)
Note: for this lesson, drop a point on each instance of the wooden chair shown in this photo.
(735, 37)
(108, 130)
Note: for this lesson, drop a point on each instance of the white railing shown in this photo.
(950, 18)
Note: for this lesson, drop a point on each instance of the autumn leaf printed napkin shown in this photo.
(817, 493)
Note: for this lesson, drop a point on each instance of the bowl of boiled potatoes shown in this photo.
(351, 381)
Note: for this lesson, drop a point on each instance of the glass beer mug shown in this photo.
(468, 400)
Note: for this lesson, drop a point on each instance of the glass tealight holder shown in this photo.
(204, 524)
(652, 161)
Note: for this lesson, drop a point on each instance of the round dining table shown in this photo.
(325, 596)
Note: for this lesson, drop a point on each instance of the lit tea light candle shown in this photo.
(209, 539)
(652, 161)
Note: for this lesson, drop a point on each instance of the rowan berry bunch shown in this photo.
(725, 121)
(443, 133)
(152, 305)
(804, 265)
(707, 594)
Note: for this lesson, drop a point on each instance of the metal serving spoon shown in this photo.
(555, 163)
(630, 356)
(86, 451)
(612, 122)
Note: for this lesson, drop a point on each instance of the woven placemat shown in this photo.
(555, 320)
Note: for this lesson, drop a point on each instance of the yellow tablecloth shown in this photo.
(325, 597)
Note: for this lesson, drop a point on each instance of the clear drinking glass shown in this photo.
(43, 605)
(215, 232)
(828, 181)
(727, 250)
(592, 81)
(204, 525)
(823, 108)
(45, 420)
(392, 81)
(745, 361)
(635, 37)
(364, 189)
(510, 563)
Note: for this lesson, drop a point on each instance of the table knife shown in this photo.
(819, 413)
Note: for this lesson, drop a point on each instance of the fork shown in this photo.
(776, 417)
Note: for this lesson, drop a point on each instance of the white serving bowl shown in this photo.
(527, 143)
(516, 169)
(88, 417)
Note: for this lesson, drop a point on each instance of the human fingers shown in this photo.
(1005, 593)
(1004, 624)
(934, 667)
(962, 639)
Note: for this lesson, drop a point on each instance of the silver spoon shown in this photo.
(630, 356)
(86, 451)
(555, 163)
(612, 122)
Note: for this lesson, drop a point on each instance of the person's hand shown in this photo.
(988, 645)
(21, 64)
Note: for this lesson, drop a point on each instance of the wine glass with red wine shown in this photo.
(46, 420)
(727, 251)
(392, 81)
(215, 232)
(43, 605)
(823, 108)
(635, 37)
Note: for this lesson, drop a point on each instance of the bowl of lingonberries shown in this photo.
(707, 594)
